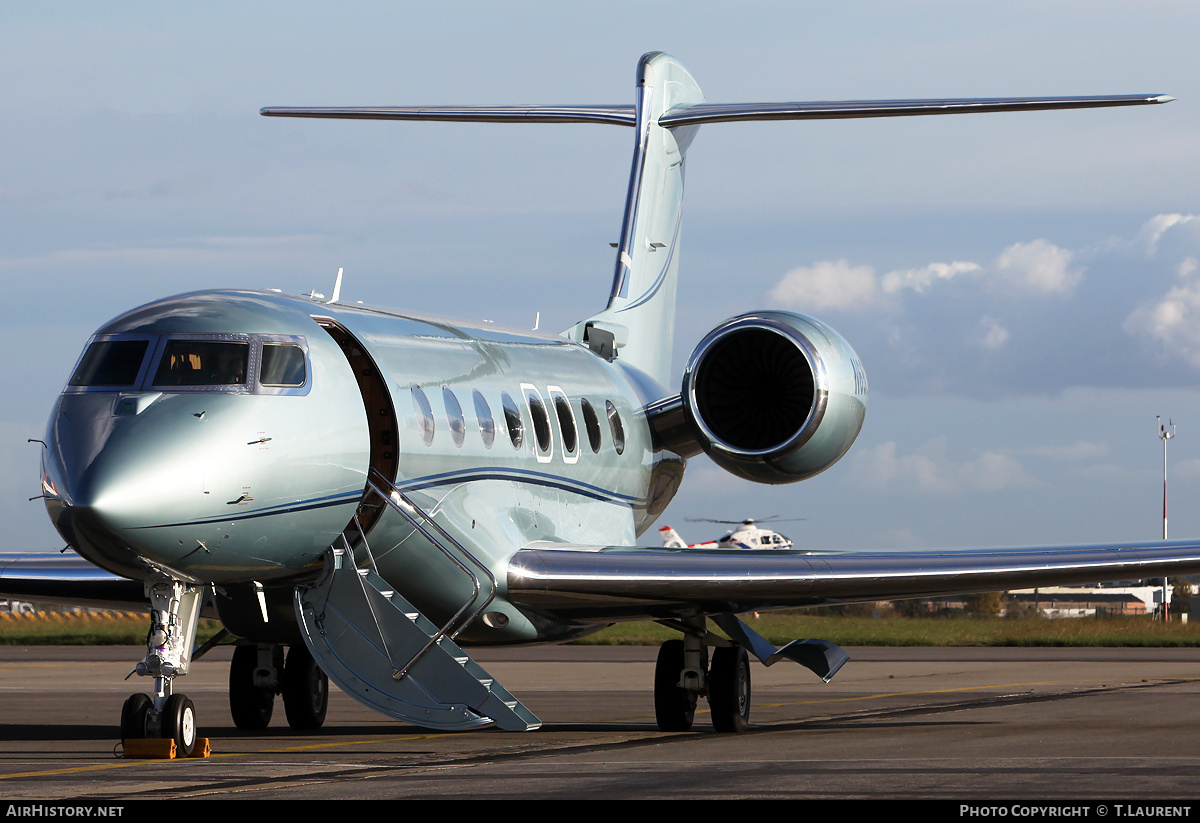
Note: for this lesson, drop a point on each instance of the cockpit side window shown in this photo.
(110, 363)
(282, 365)
(203, 363)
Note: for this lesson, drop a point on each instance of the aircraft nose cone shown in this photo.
(193, 483)
(95, 488)
(127, 473)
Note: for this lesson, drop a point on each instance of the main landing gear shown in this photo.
(174, 613)
(683, 673)
(259, 672)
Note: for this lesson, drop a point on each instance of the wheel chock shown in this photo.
(150, 748)
(158, 748)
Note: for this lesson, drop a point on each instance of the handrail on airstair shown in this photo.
(387, 491)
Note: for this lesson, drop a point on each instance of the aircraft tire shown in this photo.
(305, 690)
(179, 723)
(674, 708)
(133, 717)
(729, 689)
(250, 705)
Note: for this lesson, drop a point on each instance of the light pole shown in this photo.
(1165, 433)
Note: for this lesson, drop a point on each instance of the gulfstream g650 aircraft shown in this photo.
(373, 490)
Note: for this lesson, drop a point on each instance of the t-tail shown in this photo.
(637, 325)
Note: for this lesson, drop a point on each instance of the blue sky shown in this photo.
(1023, 290)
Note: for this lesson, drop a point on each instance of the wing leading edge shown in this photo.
(615, 583)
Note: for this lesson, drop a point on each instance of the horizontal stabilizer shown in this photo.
(845, 109)
(613, 115)
(699, 114)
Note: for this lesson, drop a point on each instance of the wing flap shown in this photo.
(622, 583)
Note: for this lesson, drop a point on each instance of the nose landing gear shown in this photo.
(174, 615)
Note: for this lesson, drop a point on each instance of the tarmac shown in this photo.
(1018, 727)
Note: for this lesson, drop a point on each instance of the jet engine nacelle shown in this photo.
(770, 396)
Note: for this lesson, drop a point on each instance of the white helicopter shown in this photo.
(747, 534)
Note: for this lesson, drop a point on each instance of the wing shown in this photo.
(67, 579)
(619, 583)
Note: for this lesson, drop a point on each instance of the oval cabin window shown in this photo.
(424, 415)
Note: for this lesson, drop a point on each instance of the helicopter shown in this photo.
(747, 534)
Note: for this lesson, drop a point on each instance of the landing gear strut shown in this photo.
(683, 673)
(174, 614)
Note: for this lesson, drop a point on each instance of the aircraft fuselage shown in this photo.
(163, 456)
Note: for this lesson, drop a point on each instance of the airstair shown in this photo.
(383, 652)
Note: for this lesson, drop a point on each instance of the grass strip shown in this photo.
(47, 629)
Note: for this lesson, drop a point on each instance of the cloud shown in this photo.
(1038, 266)
(1173, 321)
(920, 280)
(1079, 450)
(1034, 316)
(837, 284)
(929, 471)
(994, 335)
(827, 285)
(1154, 228)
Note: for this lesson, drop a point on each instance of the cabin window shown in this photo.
(424, 414)
(566, 423)
(203, 363)
(483, 412)
(512, 418)
(110, 363)
(541, 421)
(592, 424)
(458, 426)
(282, 365)
(614, 423)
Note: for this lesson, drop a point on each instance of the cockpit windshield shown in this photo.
(229, 363)
(110, 363)
(203, 363)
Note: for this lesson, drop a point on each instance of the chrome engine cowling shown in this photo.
(772, 396)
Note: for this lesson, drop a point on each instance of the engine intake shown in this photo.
(770, 396)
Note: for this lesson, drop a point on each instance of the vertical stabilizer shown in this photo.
(638, 325)
(671, 538)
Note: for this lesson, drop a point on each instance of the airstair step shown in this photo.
(362, 632)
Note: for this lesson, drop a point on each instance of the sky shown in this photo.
(1023, 289)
